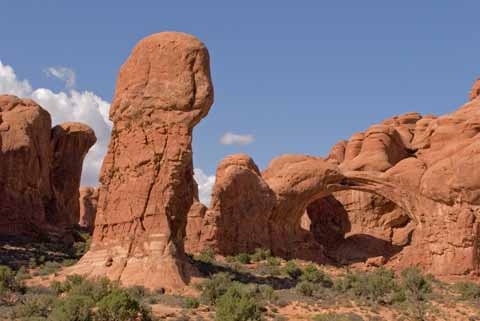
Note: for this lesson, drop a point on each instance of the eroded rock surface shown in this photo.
(407, 190)
(88, 207)
(147, 185)
(40, 171)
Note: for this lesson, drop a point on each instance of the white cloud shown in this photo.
(63, 73)
(236, 139)
(85, 107)
(9, 84)
(205, 185)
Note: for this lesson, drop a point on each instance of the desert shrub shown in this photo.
(190, 303)
(292, 270)
(415, 284)
(207, 255)
(306, 288)
(266, 269)
(22, 275)
(120, 306)
(273, 261)
(237, 304)
(73, 308)
(331, 316)
(416, 289)
(49, 268)
(467, 290)
(34, 305)
(378, 286)
(261, 254)
(8, 281)
(212, 289)
(243, 258)
(314, 275)
(138, 292)
(96, 289)
(267, 293)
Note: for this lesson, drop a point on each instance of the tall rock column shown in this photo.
(147, 187)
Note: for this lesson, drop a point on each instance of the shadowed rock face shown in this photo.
(415, 179)
(88, 207)
(147, 185)
(40, 172)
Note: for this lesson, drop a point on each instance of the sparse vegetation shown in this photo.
(337, 317)
(243, 258)
(237, 304)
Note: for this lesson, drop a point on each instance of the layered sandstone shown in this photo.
(88, 198)
(407, 190)
(147, 187)
(40, 172)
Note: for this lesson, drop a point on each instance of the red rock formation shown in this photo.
(407, 190)
(40, 172)
(147, 185)
(88, 207)
(70, 143)
(250, 210)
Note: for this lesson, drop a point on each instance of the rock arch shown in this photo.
(428, 166)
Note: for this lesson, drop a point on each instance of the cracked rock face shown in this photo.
(40, 171)
(147, 187)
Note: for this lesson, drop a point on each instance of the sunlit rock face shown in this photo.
(147, 187)
(407, 189)
(40, 171)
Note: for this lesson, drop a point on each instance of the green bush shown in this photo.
(49, 268)
(415, 284)
(8, 280)
(337, 317)
(267, 293)
(306, 288)
(378, 286)
(261, 254)
(215, 287)
(120, 306)
(416, 289)
(292, 270)
(237, 305)
(314, 275)
(35, 306)
(22, 275)
(206, 256)
(273, 261)
(467, 290)
(73, 308)
(243, 258)
(96, 289)
(190, 303)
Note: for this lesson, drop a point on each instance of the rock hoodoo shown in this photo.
(147, 187)
(40, 172)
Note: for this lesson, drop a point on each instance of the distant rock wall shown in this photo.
(40, 171)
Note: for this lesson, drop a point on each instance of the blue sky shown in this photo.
(296, 75)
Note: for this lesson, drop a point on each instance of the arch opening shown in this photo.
(354, 225)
